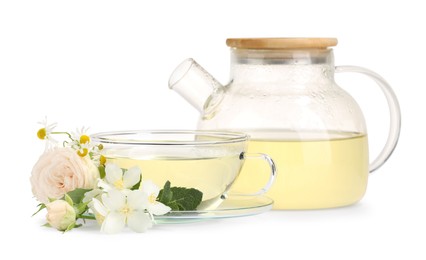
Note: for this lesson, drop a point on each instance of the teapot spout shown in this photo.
(197, 86)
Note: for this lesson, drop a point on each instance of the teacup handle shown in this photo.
(394, 111)
(272, 175)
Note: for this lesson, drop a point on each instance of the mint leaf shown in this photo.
(165, 195)
(186, 199)
(180, 198)
(77, 195)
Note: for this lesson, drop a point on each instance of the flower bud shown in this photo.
(60, 214)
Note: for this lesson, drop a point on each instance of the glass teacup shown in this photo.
(209, 161)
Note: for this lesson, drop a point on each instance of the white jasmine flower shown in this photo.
(88, 198)
(116, 179)
(120, 209)
(95, 193)
(153, 206)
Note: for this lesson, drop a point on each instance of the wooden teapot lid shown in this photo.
(281, 43)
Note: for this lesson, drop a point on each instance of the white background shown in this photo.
(105, 64)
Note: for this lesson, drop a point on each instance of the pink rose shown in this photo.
(59, 171)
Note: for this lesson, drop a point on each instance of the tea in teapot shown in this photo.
(283, 94)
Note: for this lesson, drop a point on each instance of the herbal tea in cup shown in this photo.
(207, 161)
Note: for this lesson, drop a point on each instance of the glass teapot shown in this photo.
(283, 94)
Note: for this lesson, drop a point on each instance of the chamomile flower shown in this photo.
(81, 136)
(83, 149)
(82, 142)
(45, 133)
(97, 155)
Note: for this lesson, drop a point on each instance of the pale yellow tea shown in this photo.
(311, 173)
(212, 176)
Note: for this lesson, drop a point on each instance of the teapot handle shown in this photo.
(394, 110)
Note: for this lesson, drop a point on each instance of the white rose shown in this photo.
(60, 214)
(59, 171)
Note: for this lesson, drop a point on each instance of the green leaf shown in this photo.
(71, 226)
(51, 200)
(86, 216)
(137, 185)
(80, 208)
(78, 225)
(186, 199)
(180, 198)
(77, 195)
(46, 225)
(41, 206)
(165, 195)
(102, 173)
(69, 200)
(173, 206)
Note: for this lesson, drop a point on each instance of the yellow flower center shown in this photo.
(152, 198)
(102, 160)
(126, 210)
(99, 218)
(83, 152)
(119, 184)
(84, 139)
(100, 147)
(41, 133)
